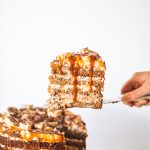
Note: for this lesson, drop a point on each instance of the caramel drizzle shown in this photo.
(74, 68)
(59, 59)
(15, 128)
(92, 62)
(60, 67)
(74, 72)
(75, 82)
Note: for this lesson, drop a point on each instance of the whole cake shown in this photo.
(32, 128)
(76, 80)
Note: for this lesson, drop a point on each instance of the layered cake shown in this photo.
(32, 128)
(76, 80)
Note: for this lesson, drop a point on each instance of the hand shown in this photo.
(137, 86)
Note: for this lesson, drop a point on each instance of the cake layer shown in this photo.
(80, 144)
(81, 72)
(9, 143)
(2, 147)
(68, 96)
(84, 102)
(54, 89)
(80, 135)
(74, 148)
(63, 80)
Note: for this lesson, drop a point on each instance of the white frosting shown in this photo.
(24, 126)
(8, 122)
(25, 133)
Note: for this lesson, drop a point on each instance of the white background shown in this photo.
(33, 32)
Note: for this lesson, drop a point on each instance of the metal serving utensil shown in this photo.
(119, 99)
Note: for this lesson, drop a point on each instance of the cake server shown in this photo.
(119, 99)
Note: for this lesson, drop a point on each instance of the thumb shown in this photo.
(132, 95)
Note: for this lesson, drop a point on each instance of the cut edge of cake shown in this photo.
(76, 80)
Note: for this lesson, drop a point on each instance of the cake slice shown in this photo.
(33, 128)
(76, 80)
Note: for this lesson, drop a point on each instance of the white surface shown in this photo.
(33, 32)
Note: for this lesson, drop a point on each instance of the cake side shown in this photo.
(76, 80)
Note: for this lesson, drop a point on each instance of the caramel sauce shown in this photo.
(74, 68)
(75, 82)
(74, 72)
(92, 61)
(44, 137)
(60, 69)
(52, 65)
(59, 66)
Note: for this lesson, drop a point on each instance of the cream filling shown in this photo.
(86, 68)
(71, 87)
(91, 97)
(79, 78)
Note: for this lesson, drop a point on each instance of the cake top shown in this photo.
(84, 59)
(34, 123)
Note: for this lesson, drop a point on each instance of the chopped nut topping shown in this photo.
(13, 111)
(39, 125)
(34, 123)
